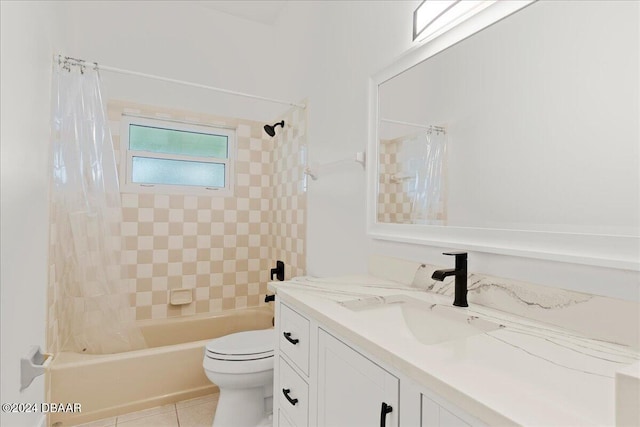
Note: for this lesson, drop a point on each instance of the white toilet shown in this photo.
(241, 365)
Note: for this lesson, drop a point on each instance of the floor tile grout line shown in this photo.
(117, 421)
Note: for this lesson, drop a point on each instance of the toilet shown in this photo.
(241, 365)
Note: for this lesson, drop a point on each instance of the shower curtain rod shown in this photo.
(416, 125)
(82, 62)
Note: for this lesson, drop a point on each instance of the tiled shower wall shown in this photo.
(220, 247)
(289, 202)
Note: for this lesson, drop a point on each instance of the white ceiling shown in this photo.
(263, 11)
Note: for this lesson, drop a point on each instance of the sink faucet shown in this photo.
(460, 299)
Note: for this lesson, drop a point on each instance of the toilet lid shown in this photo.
(242, 345)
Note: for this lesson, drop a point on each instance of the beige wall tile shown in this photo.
(173, 241)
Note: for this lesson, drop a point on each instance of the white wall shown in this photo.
(27, 45)
(180, 40)
(333, 48)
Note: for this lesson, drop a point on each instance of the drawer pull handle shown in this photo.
(384, 410)
(293, 341)
(286, 392)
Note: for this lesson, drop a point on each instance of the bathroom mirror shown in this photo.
(516, 132)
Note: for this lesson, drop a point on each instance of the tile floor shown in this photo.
(196, 412)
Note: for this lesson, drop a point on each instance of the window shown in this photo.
(171, 157)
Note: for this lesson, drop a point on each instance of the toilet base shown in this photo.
(240, 407)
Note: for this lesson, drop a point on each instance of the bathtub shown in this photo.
(168, 371)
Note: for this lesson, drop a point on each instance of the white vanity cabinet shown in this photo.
(321, 380)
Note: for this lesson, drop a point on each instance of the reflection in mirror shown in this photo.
(541, 119)
(412, 175)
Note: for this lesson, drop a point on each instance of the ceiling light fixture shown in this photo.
(434, 17)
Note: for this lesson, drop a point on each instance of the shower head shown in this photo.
(271, 129)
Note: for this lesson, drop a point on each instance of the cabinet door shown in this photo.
(352, 390)
(434, 415)
(283, 421)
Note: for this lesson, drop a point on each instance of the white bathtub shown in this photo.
(168, 371)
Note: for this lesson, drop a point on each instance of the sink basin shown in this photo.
(428, 323)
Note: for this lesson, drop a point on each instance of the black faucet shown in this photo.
(460, 299)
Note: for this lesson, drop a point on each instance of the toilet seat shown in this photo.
(241, 365)
(242, 346)
(242, 352)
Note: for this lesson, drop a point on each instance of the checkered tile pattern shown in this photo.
(288, 221)
(220, 247)
(394, 206)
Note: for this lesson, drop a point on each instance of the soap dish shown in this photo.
(180, 296)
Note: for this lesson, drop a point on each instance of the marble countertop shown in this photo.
(526, 373)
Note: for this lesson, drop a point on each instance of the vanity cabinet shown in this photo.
(322, 380)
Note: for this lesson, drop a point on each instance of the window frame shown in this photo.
(127, 155)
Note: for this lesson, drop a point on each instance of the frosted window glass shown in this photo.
(177, 172)
(169, 141)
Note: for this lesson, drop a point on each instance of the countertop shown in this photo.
(526, 373)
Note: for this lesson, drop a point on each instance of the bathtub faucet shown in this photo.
(278, 271)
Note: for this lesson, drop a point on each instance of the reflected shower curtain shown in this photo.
(91, 290)
(426, 156)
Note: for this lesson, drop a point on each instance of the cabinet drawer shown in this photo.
(294, 337)
(293, 395)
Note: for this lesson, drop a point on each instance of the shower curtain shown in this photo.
(424, 158)
(91, 291)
